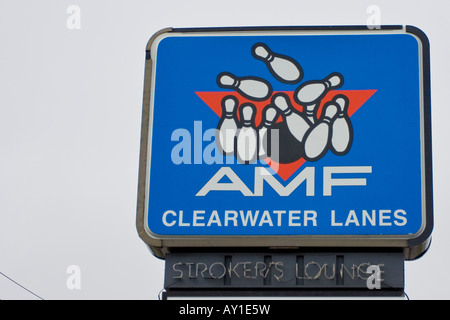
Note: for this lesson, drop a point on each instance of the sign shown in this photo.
(286, 137)
(325, 270)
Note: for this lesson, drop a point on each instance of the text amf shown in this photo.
(307, 176)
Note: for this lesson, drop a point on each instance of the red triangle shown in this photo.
(356, 98)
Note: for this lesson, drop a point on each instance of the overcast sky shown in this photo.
(70, 116)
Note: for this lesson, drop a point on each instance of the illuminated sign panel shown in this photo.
(266, 137)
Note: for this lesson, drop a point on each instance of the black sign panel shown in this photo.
(370, 271)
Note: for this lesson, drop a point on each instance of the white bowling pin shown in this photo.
(318, 138)
(311, 112)
(227, 127)
(312, 92)
(247, 137)
(269, 117)
(342, 133)
(252, 88)
(295, 122)
(283, 68)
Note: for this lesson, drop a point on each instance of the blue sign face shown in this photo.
(287, 134)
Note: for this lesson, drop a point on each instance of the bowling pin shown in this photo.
(227, 127)
(252, 88)
(269, 116)
(317, 139)
(311, 112)
(283, 68)
(312, 92)
(295, 122)
(342, 132)
(247, 137)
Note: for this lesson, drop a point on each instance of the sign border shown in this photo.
(413, 246)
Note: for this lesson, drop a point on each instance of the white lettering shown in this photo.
(164, 218)
(293, 218)
(384, 217)
(262, 175)
(180, 221)
(351, 218)
(371, 219)
(279, 213)
(400, 215)
(310, 216)
(249, 216)
(214, 219)
(266, 219)
(231, 216)
(197, 218)
(236, 183)
(329, 182)
(333, 220)
(283, 218)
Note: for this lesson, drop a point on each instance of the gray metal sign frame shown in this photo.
(413, 245)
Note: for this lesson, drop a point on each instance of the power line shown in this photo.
(18, 284)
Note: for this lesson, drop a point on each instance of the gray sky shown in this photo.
(70, 116)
